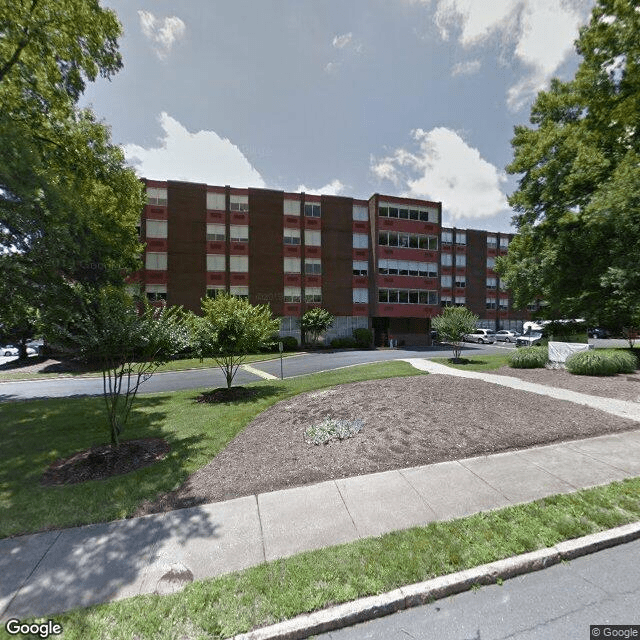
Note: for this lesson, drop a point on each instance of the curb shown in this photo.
(415, 595)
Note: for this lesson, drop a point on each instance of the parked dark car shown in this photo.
(597, 332)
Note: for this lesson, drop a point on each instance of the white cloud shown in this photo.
(537, 33)
(193, 157)
(340, 42)
(444, 167)
(163, 33)
(331, 67)
(334, 188)
(466, 68)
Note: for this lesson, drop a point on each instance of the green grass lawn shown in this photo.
(173, 365)
(477, 363)
(278, 590)
(36, 433)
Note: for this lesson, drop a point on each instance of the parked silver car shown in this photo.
(529, 339)
(481, 336)
(504, 335)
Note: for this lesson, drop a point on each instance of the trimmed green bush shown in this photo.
(343, 343)
(289, 343)
(601, 362)
(529, 358)
(363, 338)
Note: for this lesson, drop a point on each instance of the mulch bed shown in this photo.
(622, 387)
(104, 461)
(223, 394)
(407, 422)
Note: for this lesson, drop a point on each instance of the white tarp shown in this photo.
(560, 351)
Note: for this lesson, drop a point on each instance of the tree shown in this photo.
(129, 339)
(68, 204)
(229, 329)
(453, 324)
(578, 201)
(315, 322)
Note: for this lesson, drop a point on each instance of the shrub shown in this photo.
(363, 338)
(600, 363)
(332, 429)
(343, 343)
(529, 358)
(289, 343)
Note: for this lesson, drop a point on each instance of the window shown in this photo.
(214, 291)
(461, 260)
(492, 283)
(292, 294)
(492, 242)
(360, 268)
(446, 301)
(216, 201)
(156, 292)
(360, 241)
(360, 212)
(461, 237)
(312, 209)
(156, 228)
(491, 303)
(383, 238)
(504, 242)
(446, 282)
(215, 232)
(288, 323)
(239, 233)
(446, 259)
(216, 262)
(156, 261)
(428, 242)
(239, 203)
(313, 294)
(157, 196)
(291, 207)
(312, 266)
(403, 267)
(461, 281)
(239, 264)
(491, 263)
(407, 296)
(428, 269)
(239, 292)
(292, 265)
(361, 296)
(383, 211)
(292, 236)
(446, 237)
(460, 301)
(311, 238)
(433, 215)
(504, 304)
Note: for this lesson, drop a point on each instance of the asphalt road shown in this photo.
(558, 603)
(211, 378)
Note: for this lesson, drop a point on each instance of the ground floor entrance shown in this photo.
(403, 332)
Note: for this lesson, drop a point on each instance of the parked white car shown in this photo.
(9, 350)
(504, 335)
(481, 336)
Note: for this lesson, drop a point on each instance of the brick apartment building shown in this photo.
(385, 263)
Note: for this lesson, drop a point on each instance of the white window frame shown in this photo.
(360, 241)
(446, 237)
(238, 203)
(214, 290)
(491, 263)
(292, 294)
(216, 262)
(239, 233)
(155, 292)
(292, 265)
(216, 232)
(312, 238)
(313, 266)
(239, 264)
(216, 201)
(461, 260)
(446, 282)
(156, 261)
(461, 237)
(359, 266)
(312, 209)
(360, 212)
(446, 259)
(157, 196)
(291, 236)
(239, 291)
(313, 294)
(291, 207)
(361, 296)
(156, 228)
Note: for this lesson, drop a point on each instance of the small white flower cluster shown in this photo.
(332, 429)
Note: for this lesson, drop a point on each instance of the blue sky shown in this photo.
(404, 97)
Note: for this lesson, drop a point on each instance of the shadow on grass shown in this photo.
(466, 361)
(237, 395)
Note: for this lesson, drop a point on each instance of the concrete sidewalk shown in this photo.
(51, 572)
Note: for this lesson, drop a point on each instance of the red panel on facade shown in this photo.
(291, 309)
(216, 277)
(408, 226)
(360, 226)
(292, 222)
(215, 216)
(239, 218)
(293, 280)
(155, 277)
(239, 278)
(406, 310)
(215, 246)
(360, 282)
(313, 281)
(156, 213)
(312, 252)
(291, 251)
(361, 254)
(491, 252)
(312, 223)
(404, 253)
(239, 249)
(157, 244)
(360, 310)
(407, 282)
